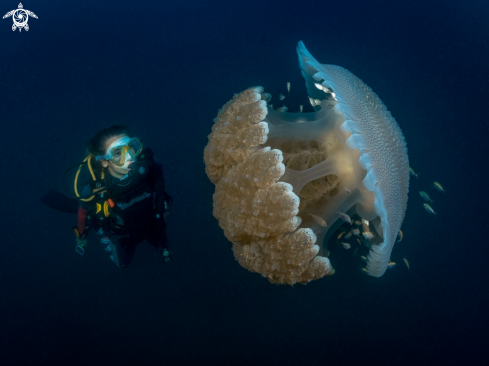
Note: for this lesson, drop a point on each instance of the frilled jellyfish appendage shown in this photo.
(257, 212)
(276, 172)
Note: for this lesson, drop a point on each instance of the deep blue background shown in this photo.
(165, 68)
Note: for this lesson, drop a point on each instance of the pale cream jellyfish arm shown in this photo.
(276, 173)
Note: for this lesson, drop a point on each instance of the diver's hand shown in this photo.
(81, 240)
(81, 244)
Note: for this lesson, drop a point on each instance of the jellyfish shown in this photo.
(275, 171)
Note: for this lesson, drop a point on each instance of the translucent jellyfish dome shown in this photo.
(285, 182)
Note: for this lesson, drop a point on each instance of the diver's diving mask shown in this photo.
(119, 150)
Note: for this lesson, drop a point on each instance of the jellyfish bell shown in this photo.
(275, 171)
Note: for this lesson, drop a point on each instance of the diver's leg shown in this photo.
(121, 249)
(124, 251)
(159, 240)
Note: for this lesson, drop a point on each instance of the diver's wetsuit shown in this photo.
(138, 214)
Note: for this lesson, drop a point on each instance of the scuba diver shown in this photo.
(125, 200)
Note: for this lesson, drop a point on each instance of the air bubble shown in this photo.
(238, 118)
(244, 141)
(247, 176)
(226, 123)
(262, 235)
(255, 213)
(256, 179)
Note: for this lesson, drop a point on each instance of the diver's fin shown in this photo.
(60, 202)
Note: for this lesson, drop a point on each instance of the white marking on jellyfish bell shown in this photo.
(365, 161)
(370, 180)
(350, 126)
(355, 141)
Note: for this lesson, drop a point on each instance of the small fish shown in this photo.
(347, 190)
(317, 102)
(311, 101)
(411, 172)
(406, 262)
(339, 236)
(363, 258)
(400, 235)
(282, 109)
(356, 232)
(301, 107)
(368, 235)
(438, 186)
(319, 220)
(281, 96)
(359, 242)
(364, 269)
(429, 209)
(345, 217)
(425, 196)
(358, 222)
(346, 245)
(348, 236)
(391, 265)
(288, 87)
(319, 86)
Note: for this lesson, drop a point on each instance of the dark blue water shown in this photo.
(165, 68)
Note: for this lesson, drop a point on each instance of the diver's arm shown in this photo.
(83, 210)
(82, 221)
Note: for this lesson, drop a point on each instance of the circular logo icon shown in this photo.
(20, 18)
(142, 170)
(98, 185)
